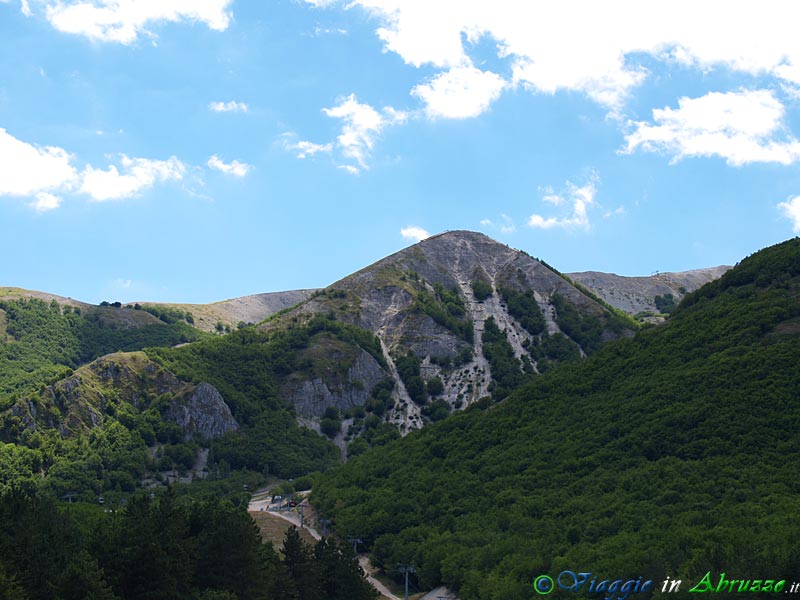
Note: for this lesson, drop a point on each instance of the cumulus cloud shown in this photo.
(45, 201)
(230, 106)
(459, 93)
(27, 170)
(578, 199)
(236, 168)
(791, 210)
(587, 46)
(123, 21)
(138, 174)
(46, 173)
(414, 233)
(742, 127)
(361, 126)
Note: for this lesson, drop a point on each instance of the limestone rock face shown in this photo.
(311, 397)
(202, 413)
(421, 300)
(84, 400)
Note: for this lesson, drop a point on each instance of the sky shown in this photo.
(197, 150)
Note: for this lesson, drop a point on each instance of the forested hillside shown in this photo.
(669, 454)
(41, 342)
(162, 548)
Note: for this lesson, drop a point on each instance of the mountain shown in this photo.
(244, 310)
(636, 295)
(455, 320)
(458, 316)
(671, 454)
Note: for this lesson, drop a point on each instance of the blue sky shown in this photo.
(196, 150)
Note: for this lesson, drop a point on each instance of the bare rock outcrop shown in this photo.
(311, 397)
(202, 413)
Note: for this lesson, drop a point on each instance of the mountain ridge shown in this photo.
(432, 301)
(429, 307)
(672, 453)
(632, 294)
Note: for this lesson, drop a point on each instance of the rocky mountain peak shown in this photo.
(458, 317)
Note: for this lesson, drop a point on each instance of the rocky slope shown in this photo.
(430, 304)
(246, 309)
(445, 323)
(636, 295)
(107, 385)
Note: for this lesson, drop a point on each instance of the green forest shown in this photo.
(247, 367)
(669, 454)
(165, 547)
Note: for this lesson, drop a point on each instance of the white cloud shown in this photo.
(506, 224)
(791, 210)
(579, 200)
(45, 201)
(350, 169)
(123, 21)
(550, 196)
(362, 124)
(620, 210)
(460, 93)
(414, 233)
(236, 168)
(26, 170)
(304, 148)
(231, 106)
(24, 8)
(139, 173)
(742, 127)
(593, 47)
(46, 173)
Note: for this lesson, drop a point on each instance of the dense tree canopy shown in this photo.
(164, 548)
(672, 453)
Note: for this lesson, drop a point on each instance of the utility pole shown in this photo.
(325, 523)
(406, 569)
(356, 541)
(302, 516)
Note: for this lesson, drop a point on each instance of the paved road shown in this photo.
(294, 518)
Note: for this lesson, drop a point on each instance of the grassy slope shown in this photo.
(672, 453)
(43, 341)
